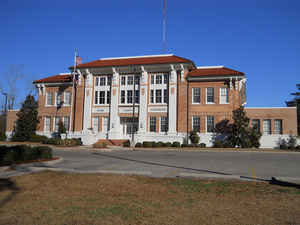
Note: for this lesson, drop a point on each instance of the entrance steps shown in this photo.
(115, 142)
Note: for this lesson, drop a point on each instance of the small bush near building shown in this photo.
(100, 145)
(194, 137)
(202, 145)
(22, 153)
(289, 144)
(176, 144)
(184, 145)
(37, 138)
(2, 136)
(160, 144)
(65, 142)
(169, 144)
(138, 145)
(147, 144)
(126, 144)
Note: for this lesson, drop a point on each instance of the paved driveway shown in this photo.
(194, 164)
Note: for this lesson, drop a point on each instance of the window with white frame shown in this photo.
(152, 79)
(166, 78)
(196, 123)
(95, 124)
(97, 81)
(108, 80)
(58, 98)
(66, 122)
(136, 80)
(158, 96)
(256, 125)
(123, 96)
(267, 126)
(56, 123)
(47, 122)
(123, 80)
(224, 95)
(158, 88)
(129, 97)
(49, 98)
(210, 124)
(210, 95)
(67, 98)
(137, 97)
(151, 96)
(102, 81)
(129, 80)
(163, 124)
(278, 126)
(196, 95)
(152, 124)
(166, 96)
(101, 97)
(158, 79)
(108, 97)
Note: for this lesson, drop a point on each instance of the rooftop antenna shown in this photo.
(164, 26)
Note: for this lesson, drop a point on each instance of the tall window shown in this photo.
(152, 79)
(152, 124)
(129, 96)
(95, 124)
(137, 96)
(122, 97)
(256, 125)
(163, 124)
(166, 78)
(224, 95)
(151, 96)
(277, 126)
(158, 79)
(102, 97)
(97, 81)
(123, 80)
(66, 122)
(56, 122)
(196, 123)
(210, 96)
(109, 80)
(96, 98)
(158, 96)
(58, 98)
(67, 98)
(47, 122)
(210, 124)
(196, 95)
(108, 97)
(49, 100)
(137, 80)
(102, 81)
(165, 96)
(267, 126)
(130, 80)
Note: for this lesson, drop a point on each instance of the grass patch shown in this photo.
(63, 198)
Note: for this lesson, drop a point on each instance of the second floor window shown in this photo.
(166, 76)
(196, 95)
(158, 96)
(256, 125)
(210, 96)
(123, 80)
(158, 79)
(58, 98)
(49, 99)
(101, 97)
(151, 96)
(130, 80)
(67, 98)
(102, 81)
(223, 95)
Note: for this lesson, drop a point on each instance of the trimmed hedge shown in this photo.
(138, 145)
(22, 153)
(37, 138)
(64, 142)
(176, 144)
(126, 144)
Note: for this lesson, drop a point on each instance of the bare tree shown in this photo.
(14, 74)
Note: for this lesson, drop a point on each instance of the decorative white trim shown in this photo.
(100, 110)
(162, 109)
(210, 67)
(132, 57)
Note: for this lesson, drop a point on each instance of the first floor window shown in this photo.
(152, 124)
(129, 97)
(102, 97)
(256, 125)
(196, 95)
(66, 122)
(210, 97)
(166, 96)
(49, 100)
(108, 97)
(196, 123)
(158, 96)
(151, 96)
(122, 97)
(277, 126)
(223, 95)
(95, 123)
(56, 123)
(137, 96)
(210, 124)
(267, 126)
(67, 98)
(47, 123)
(164, 124)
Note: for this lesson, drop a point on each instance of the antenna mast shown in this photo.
(164, 26)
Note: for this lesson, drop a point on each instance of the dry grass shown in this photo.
(62, 198)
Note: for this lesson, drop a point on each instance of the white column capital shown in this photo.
(144, 77)
(115, 77)
(182, 73)
(173, 75)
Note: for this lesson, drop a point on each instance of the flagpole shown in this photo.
(73, 89)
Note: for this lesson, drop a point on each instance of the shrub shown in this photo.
(283, 144)
(2, 136)
(168, 144)
(176, 144)
(43, 152)
(155, 144)
(77, 141)
(292, 142)
(126, 144)
(218, 144)
(52, 141)
(37, 138)
(147, 144)
(160, 144)
(194, 137)
(138, 145)
(184, 145)
(202, 145)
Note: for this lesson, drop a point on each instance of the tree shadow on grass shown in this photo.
(8, 184)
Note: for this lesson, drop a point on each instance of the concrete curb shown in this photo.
(38, 164)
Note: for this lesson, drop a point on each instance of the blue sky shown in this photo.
(258, 37)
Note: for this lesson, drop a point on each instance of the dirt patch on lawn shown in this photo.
(63, 198)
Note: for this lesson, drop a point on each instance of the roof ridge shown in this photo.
(136, 57)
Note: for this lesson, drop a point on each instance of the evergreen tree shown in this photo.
(27, 121)
(296, 103)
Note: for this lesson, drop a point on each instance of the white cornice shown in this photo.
(210, 67)
(133, 57)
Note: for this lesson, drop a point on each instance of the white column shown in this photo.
(87, 114)
(115, 128)
(173, 101)
(143, 101)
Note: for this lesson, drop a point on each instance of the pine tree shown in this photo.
(27, 121)
(296, 103)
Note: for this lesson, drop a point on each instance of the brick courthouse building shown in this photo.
(150, 98)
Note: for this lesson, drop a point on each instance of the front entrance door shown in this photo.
(129, 126)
